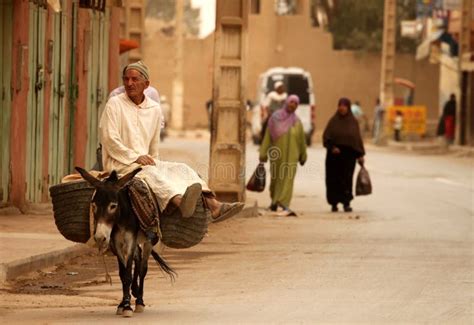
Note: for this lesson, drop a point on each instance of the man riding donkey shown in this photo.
(130, 135)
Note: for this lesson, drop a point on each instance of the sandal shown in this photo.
(189, 200)
(273, 207)
(228, 210)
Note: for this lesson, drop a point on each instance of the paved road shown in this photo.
(404, 255)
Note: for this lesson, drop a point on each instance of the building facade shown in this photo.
(285, 40)
(59, 62)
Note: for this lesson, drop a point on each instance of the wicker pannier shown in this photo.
(71, 206)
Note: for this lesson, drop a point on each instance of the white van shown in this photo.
(297, 82)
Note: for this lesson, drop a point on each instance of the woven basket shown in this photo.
(71, 204)
(179, 232)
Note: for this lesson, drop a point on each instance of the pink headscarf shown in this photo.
(282, 120)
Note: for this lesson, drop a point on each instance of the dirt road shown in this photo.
(404, 255)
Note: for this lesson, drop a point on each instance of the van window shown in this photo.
(297, 84)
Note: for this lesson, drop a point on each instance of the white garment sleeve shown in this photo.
(110, 137)
(267, 100)
(154, 149)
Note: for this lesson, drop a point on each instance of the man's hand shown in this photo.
(145, 160)
(336, 150)
(361, 160)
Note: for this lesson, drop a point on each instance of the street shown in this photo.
(404, 255)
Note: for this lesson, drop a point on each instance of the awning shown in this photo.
(127, 45)
(404, 83)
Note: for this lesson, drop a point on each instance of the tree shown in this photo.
(358, 25)
(165, 10)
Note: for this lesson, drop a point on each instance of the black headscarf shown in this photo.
(343, 130)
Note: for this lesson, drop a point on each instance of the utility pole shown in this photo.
(227, 154)
(388, 53)
(178, 89)
(464, 115)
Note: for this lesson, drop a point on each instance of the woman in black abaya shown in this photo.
(344, 146)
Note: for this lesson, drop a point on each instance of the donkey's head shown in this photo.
(105, 203)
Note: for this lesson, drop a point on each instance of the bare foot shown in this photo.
(214, 206)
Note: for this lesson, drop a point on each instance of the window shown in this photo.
(286, 7)
(255, 7)
(320, 12)
(298, 85)
(92, 4)
(295, 84)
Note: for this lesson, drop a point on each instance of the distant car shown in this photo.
(297, 82)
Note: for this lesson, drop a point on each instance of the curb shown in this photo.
(419, 147)
(11, 270)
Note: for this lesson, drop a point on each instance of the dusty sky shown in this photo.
(208, 15)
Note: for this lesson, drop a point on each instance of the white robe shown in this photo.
(128, 131)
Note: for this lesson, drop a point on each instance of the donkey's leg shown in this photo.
(136, 272)
(145, 254)
(125, 273)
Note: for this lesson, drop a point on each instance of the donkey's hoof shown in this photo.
(127, 312)
(119, 311)
(139, 308)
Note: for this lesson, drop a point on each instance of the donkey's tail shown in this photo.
(163, 265)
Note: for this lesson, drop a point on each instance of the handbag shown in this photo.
(363, 183)
(256, 183)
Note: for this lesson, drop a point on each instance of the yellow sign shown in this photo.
(414, 119)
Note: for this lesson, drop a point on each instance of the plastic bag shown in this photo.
(257, 181)
(363, 183)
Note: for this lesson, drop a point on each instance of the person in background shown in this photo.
(149, 91)
(209, 104)
(447, 121)
(356, 110)
(360, 116)
(274, 101)
(379, 115)
(284, 144)
(344, 146)
(166, 110)
(398, 126)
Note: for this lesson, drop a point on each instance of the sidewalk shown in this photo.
(30, 242)
(432, 146)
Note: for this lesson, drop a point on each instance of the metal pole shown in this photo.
(388, 53)
(464, 111)
(178, 89)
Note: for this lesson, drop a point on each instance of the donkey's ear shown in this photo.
(88, 177)
(127, 178)
(113, 176)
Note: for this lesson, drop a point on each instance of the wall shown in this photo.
(19, 103)
(114, 49)
(47, 105)
(198, 62)
(20, 75)
(286, 41)
(80, 118)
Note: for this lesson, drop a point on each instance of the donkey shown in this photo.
(117, 227)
